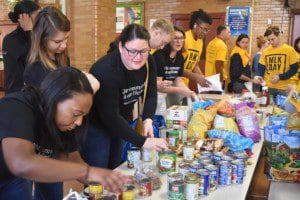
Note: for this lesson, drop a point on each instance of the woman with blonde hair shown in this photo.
(48, 51)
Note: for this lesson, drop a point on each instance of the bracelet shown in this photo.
(87, 172)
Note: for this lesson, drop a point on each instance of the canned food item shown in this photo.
(191, 184)
(194, 167)
(184, 134)
(167, 161)
(133, 156)
(217, 157)
(188, 152)
(225, 170)
(176, 190)
(226, 158)
(174, 176)
(145, 187)
(206, 161)
(95, 191)
(203, 176)
(163, 132)
(183, 168)
(128, 192)
(237, 174)
(173, 138)
(213, 176)
(146, 155)
(243, 157)
(200, 158)
(109, 196)
(206, 153)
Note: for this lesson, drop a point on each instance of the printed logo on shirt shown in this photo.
(131, 95)
(43, 151)
(276, 63)
(193, 57)
(171, 73)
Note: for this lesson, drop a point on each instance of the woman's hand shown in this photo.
(148, 128)
(163, 84)
(25, 22)
(155, 143)
(111, 180)
(274, 79)
(258, 80)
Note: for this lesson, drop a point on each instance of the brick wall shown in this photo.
(262, 9)
(4, 10)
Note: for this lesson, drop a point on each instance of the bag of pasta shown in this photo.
(225, 108)
(201, 122)
(225, 123)
(293, 122)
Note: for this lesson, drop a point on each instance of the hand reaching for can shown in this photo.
(155, 143)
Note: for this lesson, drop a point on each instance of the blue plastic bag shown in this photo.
(278, 121)
(202, 104)
(234, 141)
(280, 99)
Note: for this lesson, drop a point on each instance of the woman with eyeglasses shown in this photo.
(169, 61)
(122, 74)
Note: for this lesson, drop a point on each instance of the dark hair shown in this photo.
(129, 33)
(200, 16)
(21, 7)
(240, 37)
(221, 28)
(59, 85)
(47, 23)
(296, 44)
(168, 47)
(272, 29)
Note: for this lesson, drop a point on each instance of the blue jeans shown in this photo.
(102, 150)
(16, 188)
(48, 191)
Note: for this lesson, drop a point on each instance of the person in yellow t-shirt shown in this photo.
(199, 26)
(297, 49)
(278, 64)
(217, 54)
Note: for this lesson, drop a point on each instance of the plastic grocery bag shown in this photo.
(234, 141)
(278, 121)
(225, 108)
(202, 104)
(225, 123)
(247, 121)
(201, 122)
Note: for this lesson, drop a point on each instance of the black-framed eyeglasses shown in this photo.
(134, 53)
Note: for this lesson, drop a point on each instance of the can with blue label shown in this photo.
(206, 161)
(237, 174)
(204, 184)
(226, 158)
(194, 167)
(206, 153)
(201, 157)
(213, 176)
(217, 157)
(225, 170)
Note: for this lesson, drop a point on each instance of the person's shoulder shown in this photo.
(159, 53)
(11, 39)
(18, 102)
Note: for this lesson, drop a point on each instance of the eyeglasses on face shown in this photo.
(203, 29)
(134, 53)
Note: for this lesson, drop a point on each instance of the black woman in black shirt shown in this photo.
(40, 130)
(122, 74)
(16, 45)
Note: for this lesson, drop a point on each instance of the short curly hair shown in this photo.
(200, 16)
(272, 30)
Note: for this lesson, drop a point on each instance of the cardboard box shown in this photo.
(178, 115)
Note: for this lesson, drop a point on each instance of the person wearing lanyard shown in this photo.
(122, 74)
(278, 64)
(193, 45)
(16, 45)
(40, 130)
(48, 51)
(169, 61)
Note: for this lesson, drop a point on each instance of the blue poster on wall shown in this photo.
(238, 19)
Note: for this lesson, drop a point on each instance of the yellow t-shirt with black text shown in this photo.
(192, 52)
(216, 50)
(278, 61)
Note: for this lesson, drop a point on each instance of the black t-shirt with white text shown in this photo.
(19, 118)
(120, 89)
(167, 67)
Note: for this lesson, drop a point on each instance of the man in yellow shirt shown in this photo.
(217, 54)
(199, 27)
(278, 64)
